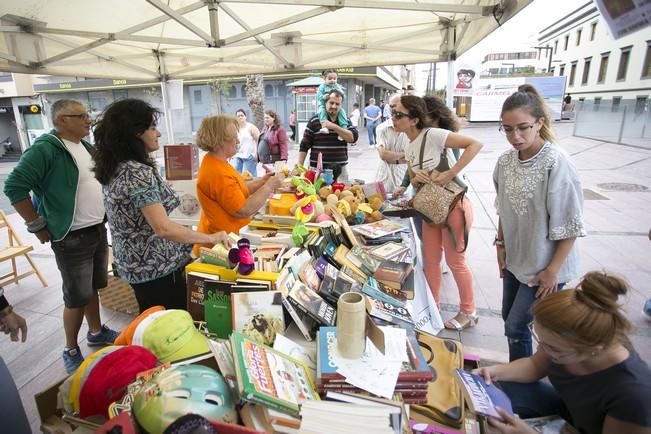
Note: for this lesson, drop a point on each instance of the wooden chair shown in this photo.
(12, 251)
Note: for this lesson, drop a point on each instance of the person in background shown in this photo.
(276, 136)
(292, 124)
(329, 84)
(540, 207)
(68, 212)
(386, 110)
(247, 154)
(372, 114)
(227, 201)
(410, 116)
(12, 413)
(597, 382)
(150, 250)
(391, 149)
(354, 118)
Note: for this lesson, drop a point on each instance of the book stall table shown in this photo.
(270, 335)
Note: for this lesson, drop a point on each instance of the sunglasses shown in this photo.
(399, 115)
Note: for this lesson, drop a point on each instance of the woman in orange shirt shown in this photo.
(227, 201)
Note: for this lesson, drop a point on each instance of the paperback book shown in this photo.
(363, 260)
(378, 229)
(308, 301)
(196, 295)
(380, 291)
(482, 398)
(258, 315)
(270, 378)
(389, 312)
(217, 307)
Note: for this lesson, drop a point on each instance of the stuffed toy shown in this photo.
(332, 200)
(304, 210)
(327, 177)
(242, 257)
(303, 187)
(375, 201)
(324, 192)
(343, 207)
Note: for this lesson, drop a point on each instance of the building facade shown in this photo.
(511, 63)
(599, 69)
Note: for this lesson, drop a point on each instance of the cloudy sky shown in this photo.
(519, 33)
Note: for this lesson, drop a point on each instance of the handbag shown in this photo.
(444, 398)
(264, 153)
(433, 202)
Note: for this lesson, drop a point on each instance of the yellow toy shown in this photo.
(375, 202)
(343, 207)
(304, 208)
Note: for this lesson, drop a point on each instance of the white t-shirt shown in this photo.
(354, 117)
(89, 206)
(248, 147)
(434, 145)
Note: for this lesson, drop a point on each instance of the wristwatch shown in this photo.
(498, 242)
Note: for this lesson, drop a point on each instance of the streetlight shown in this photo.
(551, 52)
(512, 65)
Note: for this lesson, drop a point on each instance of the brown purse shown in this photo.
(433, 202)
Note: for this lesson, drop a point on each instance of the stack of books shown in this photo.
(412, 380)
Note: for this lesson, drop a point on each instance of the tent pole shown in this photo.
(169, 129)
(448, 93)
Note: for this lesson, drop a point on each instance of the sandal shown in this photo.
(461, 321)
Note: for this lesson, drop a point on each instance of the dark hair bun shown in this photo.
(600, 291)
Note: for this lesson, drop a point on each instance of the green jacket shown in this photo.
(48, 170)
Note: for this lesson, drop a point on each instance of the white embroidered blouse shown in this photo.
(539, 201)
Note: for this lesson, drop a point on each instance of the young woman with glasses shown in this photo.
(540, 207)
(599, 384)
(410, 116)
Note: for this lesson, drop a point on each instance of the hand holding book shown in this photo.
(510, 423)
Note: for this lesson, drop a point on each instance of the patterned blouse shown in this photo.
(141, 255)
(539, 201)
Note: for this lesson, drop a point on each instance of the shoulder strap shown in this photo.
(422, 147)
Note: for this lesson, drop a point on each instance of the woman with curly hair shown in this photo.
(150, 250)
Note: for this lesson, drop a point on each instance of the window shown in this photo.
(556, 46)
(586, 70)
(243, 90)
(197, 96)
(561, 70)
(603, 67)
(97, 101)
(597, 103)
(552, 70)
(120, 94)
(622, 69)
(593, 30)
(572, 73)
(578, 37)
(646, 66)
(640, 104)
(581, 99)
(268, 91)
(617, 100)
(567, 40)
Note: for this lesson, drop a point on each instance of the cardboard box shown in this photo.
(188, 212)
(118, 295)
(181, 162)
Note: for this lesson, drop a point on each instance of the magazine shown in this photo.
(378, 229)
(480, 397)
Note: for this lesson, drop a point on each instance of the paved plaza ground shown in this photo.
(617, 183)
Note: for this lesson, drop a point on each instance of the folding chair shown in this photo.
(14, 250)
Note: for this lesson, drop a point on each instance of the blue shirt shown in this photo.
(372, 111)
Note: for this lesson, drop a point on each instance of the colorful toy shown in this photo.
(305, 209)
(327, 176)
(242, 257)
(304, 187)
(338, 186)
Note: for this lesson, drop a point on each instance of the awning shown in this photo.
(186, 39)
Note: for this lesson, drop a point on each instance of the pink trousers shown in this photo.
(436, 240)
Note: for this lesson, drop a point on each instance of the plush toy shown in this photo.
(323, 218)
(345, 193)
(327, 176)
(299, 232)
(375, 201)
(305, 209)
(242, 257)
(358, 218)
(343, 207)
(358, 192)
(310, 175)
(338, 186)
(303, 187)
(332, 200)
(375, 216)
(324, 192)
(319, 208)
(354, 203)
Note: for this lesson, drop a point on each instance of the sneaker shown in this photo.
(106, 336)
(72, 358)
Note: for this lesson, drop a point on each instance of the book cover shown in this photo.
(195, 283)
(382, 292)
(482, 398)
(304, 323)
(363, 260)
(378, 229)
(341, 258)
(258, 315)
(319, 267)
(327, 288)
(217, 307)
(308, 276)
(388, 312)
(393, 271)
(312, 304)
(415, 370)
(389, 250)
(270, 378)
(181, 162)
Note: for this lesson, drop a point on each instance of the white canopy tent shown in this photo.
(188, 39)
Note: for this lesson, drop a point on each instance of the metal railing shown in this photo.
(628, 122)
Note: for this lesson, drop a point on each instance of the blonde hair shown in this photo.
(589, 315)
(528, 98)
(213, 132)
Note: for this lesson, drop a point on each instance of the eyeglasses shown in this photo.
(83, 117)
(522, 129)
(399, 115)
(546, 347)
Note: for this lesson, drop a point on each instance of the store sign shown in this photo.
(304, 90)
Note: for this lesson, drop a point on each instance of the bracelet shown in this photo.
(6, 311)
(36, 225)
(498, 242)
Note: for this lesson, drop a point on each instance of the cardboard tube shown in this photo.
(351, 325)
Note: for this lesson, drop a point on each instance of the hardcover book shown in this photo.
(393, 271)
(389, 250)
(270, 378)
(416, 370)
(195, 283)
(363, 260)
(482, 398)
(388, 312)
(379, 291)
(258, 315)
(312, 304)
(378, 229)
(217, 307)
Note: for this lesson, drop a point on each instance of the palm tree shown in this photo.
(255, 97)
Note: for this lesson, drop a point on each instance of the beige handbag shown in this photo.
(434, 202)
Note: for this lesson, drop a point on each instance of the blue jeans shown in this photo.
(371, 126)
(12, 413)
(537, 399)
(517, 299)
(249, 164)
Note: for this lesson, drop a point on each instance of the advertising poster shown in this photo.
(466, 81)
(624, 17)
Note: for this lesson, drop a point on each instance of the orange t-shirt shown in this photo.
(221, 192)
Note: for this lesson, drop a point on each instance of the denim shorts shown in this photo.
(82, 258)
